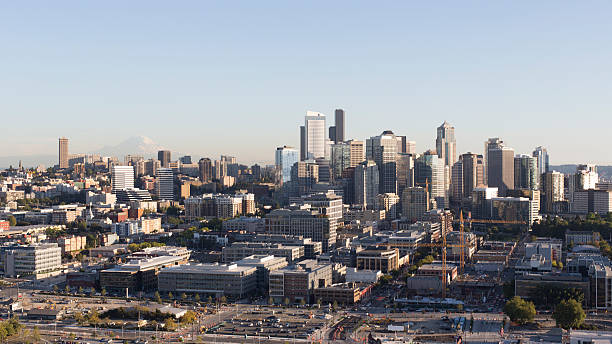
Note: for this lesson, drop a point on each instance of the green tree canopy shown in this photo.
(569, 314)
(519, 310)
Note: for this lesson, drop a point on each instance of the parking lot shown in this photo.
(288, 323)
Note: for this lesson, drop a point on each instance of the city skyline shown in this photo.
(491, 71)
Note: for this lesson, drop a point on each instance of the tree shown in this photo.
(270, 300)
(183, 296)
(158, 298)
(209, 299)
(55, 288)
(319, 303)
(519, 310)
(286, 301)
(12, 220)
(223, 299)
(569, 314)
(335, 305)
(197, 298)
(169, 324)
(35, 336)
(103, 291)
(79, 318)
(188, 318)
(81, 290)
(302, 302)
(67, 289)
(170, 295)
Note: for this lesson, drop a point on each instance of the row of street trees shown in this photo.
(568, 313)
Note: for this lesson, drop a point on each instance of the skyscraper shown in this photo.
(429, 170)
(315, 137)
(304, 175)
(446, 144)
(122, 177)
(205, 169)
(366, 181)
(302, 143)
(284, 159)
(357, 152)
(490, 144)
(405, 172)
(552, 190)
(220, 169)
(164, 184)
(541, 155)
(415, 202)
(340, 158)
(500, 166)
(383, 150)
(63, 152)
(339, 133)
(164, 157)
(468, 173)
(526, 174)
(446, 148)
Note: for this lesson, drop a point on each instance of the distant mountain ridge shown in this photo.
(137, 145)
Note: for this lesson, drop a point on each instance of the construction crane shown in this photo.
(443, 246)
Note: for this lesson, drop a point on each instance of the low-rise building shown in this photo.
(240, 250)
(72, 243)
(298, 282)
(108, 251)
(265, 265)
(385, 260)
(526, 286)
(363, 276)
(216, 279)
(581, 237)
(31, 261)
(348, 293)
(137, 274)
(438, 270)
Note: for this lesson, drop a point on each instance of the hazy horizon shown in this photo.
(237, 78)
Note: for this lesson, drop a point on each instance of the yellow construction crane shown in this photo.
(442, 245)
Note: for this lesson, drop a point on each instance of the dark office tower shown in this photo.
(164, 157)
(339, 127)
(205, 167)
(185, 159)
(526, 174)
(405, 172)
(302, 143)
(491, 143)
(63, 152)
(332, 134)
(501, 169)
(468, 173)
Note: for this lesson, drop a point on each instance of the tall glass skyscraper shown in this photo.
(541, 155)
(284, 159)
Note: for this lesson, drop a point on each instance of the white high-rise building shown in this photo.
(164, 184)
(284, 159)
(366, 183)
(315, 135)
(541, 155)
(122, 178)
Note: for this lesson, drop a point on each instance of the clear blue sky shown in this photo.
(237, 77)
